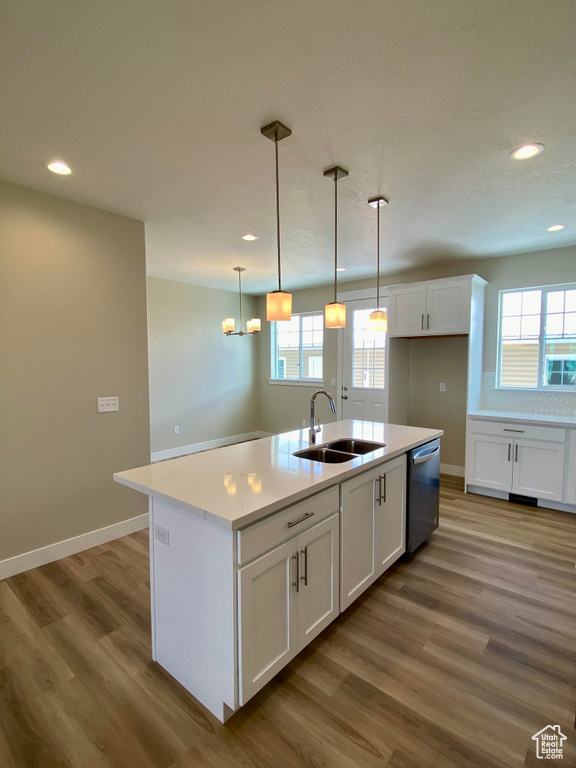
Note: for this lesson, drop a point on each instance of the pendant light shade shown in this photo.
(252, 326)
(335, 311)
(278, 306)
(278, 303)
(378, 318)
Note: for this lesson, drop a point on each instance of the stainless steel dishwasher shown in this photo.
(423, 493)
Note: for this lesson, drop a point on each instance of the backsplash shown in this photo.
(516, 401)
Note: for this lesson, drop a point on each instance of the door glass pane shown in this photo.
(368, 352)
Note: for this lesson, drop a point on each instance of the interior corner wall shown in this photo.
(73, 320)
(201, 381)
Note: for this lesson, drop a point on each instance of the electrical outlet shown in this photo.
(176, 430)
(442, 386)
(304, 422)
(108, 404)
(162, 534)
(332, 382)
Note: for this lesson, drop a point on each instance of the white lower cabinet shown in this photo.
(373, 524)
(519, 465)
(286, 598)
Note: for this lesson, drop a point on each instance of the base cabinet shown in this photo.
(373, 522)
(519, 465)
(286, 598)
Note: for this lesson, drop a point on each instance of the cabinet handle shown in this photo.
(297, 582)
(513, 430)
(379, 497)
(422, 325)
(516, 453)
(509, 449)
(305, 577)
(383, 495)
(427, 322)
(300, 519)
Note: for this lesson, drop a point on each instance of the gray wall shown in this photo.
(200, 380)
(73, 328)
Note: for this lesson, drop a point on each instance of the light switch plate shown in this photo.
(162, 534)
(442, 386)
(108, 404)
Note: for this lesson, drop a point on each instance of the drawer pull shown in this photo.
(300, 519)
(514, 430)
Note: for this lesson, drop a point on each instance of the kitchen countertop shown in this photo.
(239, 484)
(546, 419)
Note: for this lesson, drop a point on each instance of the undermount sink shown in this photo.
(324, 455)
(359, 447)
(339, 451)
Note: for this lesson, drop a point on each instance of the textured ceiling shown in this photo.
(158, 106)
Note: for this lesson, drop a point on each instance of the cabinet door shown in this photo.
(358, 565)
(570, 490)
(448, 307)
(268, 631)
(318, 595)
(407, 311)
(489, 462)
(390, 530)
(538, 469)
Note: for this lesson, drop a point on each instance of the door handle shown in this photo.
(344, 389)
(297, 582)
(305, 577)
(516, 453)
(379, 497)
(383, 494)
(427, 322)
(422, 324)
(509, 449)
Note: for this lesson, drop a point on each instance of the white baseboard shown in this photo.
(24, 562)
(184, 450)
(452, 469)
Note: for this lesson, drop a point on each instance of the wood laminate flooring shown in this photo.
(454, 658)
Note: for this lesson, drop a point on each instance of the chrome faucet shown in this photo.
(313, 427)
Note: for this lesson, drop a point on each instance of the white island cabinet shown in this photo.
(254, 551)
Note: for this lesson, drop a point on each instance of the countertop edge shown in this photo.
(542, 419)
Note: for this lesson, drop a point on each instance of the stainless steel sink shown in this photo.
(324, 455)
(359, 447)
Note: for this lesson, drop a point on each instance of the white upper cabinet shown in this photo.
(433, 308)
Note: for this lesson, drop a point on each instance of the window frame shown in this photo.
(274, 356)
(540, 387)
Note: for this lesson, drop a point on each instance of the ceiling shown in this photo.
(158, 107)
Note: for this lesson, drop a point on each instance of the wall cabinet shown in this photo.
(373, 520)
(286, 598)
(433, 308)
(503, 461)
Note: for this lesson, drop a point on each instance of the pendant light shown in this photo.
(378, 318)
(252, 326)
(278, 303)
(335, 312)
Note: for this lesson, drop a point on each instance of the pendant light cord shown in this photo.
(278, 213)
(240, 295)
(336, 238)
(378, 258)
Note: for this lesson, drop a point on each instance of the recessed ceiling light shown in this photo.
(341, 269)
(249, 237)
(556, 227)
(59, 167)
(526, 151)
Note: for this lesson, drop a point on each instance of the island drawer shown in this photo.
(517, 429)
(286, 523)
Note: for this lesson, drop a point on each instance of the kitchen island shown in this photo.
(254, 551)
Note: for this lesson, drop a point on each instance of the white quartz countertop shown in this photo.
(546, 419)
(239, 484)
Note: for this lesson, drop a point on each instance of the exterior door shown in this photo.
(318, 595)
(390, 528)
(538, 469)
(359, 508)
(364, 393)
(489, 462)
(268, 629)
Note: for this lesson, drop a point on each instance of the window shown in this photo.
(368, 352)
(297, 348)
(537, 347)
